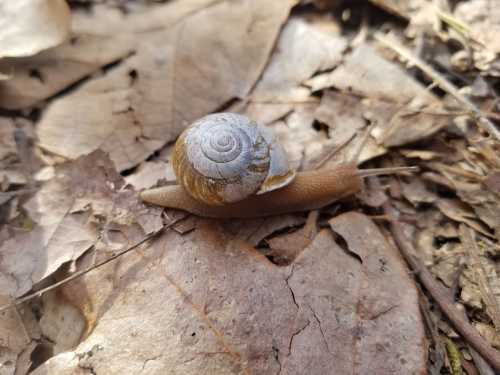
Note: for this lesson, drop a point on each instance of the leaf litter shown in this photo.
(317, 293)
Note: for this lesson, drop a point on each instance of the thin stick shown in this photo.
(321, 162)
(439, 293)
(91, 268)
(388, 170)
(363, 142)
(481, 120)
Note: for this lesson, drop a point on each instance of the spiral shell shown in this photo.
(225, 157)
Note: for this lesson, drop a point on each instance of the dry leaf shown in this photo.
(17, 329)
(30, 26)
(417, 192)
(149, 173)
(303, 49)
(286, 247)
(447, 261)
(483, 19)
(381, 79)
(38, 77)
(107, 19)
(197, 316)
(460, 212)
(59, 238)
(253, 231)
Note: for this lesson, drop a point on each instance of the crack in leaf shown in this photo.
(290, 288)
(320, 329)
(298, 332)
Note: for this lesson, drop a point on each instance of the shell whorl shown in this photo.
(225, 157)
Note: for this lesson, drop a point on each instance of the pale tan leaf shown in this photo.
(39, 77)
(302, 50)
(381, 79)
(30, 26)
(149, 173)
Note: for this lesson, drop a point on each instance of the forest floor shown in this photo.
(400, 278)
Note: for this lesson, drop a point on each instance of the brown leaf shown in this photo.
(41, 76)
(286, 247)
(375, 303)
(67, 210)
(345, 116)
(381, 79)
(252, 231)
(460, 212)
(209, 304)
(16, 333)
(149, 173)
(303, 49)
(106, 19)
(417, 192)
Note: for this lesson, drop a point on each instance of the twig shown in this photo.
(439, 293)
(481, 120)
(91, 268)
(330, 154)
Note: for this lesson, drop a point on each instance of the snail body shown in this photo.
(309, 190)
(256, 181)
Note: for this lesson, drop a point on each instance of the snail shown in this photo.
(228, 166)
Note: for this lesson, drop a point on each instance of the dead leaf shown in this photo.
(366, 73)
(15, 337)
(459, 212)
(107, 19)
(209, 320)
(62, 323)
(149, 173)
(253, 231)
(483, 20)
(417, 192)
(447, 263)
(30, 26)
(67, 210)
(38, 77)
(303, 49)
(286, 247)
(407, 125)
(393, 124)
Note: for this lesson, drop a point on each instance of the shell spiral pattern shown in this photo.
(221, 158)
